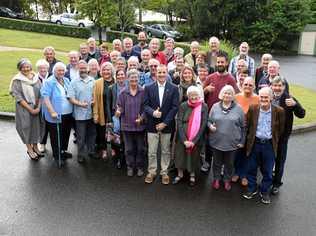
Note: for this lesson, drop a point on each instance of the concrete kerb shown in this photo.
(298, 129)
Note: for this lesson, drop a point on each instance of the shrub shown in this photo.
(35, 26)
(225, 46)
(112, 34)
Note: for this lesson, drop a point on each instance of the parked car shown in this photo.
(6, 12)
(162, 31)
(71, 19)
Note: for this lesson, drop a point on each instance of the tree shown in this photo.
(126, 14)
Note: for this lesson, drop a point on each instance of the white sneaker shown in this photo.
(41, 147)
(205, 167)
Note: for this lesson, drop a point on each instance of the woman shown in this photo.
(58, 112)
(226, 124)
(102, 105)
(191, 122)
(187, 79)
(104, 52)
(42, 67)
(201, 60)
(131, 110)
(246, 98)
(93, 68)
(25, 88)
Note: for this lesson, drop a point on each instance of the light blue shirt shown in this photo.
(82, 90)
(145, 79)
(264, 130)
(250, 65)
(57, 94)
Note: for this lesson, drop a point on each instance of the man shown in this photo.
(72, 71)
(211, 57)
(241, 66)
(175, 73)
(273, 71)
(190, 58)
(216, 81)
(94, 51)
(265, 127)
(262, 70)
(145, 56)
(117, 45)
(291, 107)
(120, 64)
(49, 54)
(154, 46)
(128, 49)
(169, 49)
(161, 102)
(150, 76)
(84, 52)
(113, 56)
(243, 52)
(80, 95)
(142, 39)
(202, 73)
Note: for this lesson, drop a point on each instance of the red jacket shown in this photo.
(161, 57)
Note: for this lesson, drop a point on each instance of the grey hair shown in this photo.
(58, 65)
(213, 38)
(42, 62)
(121, 59)
(178, 50)
(274, 62)
(267, 90)
(22, 62)
(278, 79)
(48, 48)
(92, 61)
(193, 89)
(133, 58)
(115, 51)
(109, 64)
(267, 55)
(226, 88)
(132, 72)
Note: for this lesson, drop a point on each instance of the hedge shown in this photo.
(40, 27)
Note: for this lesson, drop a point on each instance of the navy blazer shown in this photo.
(169, 107)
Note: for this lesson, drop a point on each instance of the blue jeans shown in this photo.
(262, 155)
(280, 163)
(241, 163)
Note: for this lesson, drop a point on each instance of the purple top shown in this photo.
(131, 106)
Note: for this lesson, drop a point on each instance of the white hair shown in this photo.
(132, 72)
(226, 88)
(117, 41)
(73, 52)
(213, 39)
(153, 60)
(115, 52)
(194, 44)
(144, 51)
(267, 55)
(108, 64)
(178, 50)
(133, 59)
(91, 39)
(274, 62)
(92, 61)
(42, 62)
(267, 90)
(194, 89)
(59, 65)
(48, 48)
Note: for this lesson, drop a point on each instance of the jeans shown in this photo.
(262, 156)
(241, 163)
(280, 162)
(134, 149)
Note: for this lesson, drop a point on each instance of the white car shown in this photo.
(71, 19)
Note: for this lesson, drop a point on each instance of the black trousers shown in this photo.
(63, 135)
(100, 139)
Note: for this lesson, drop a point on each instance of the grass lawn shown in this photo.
(24, 39)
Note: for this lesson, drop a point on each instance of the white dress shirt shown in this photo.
(161, 90)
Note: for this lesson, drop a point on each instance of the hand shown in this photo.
(160, 126)
(53, 115)
(188, 144)
(35, 111)
(209, 89)
(83, 104)
(212, 128)
(157, 113)
(240, 145)
(118, 111)
(110, 125)
(139, 120)
(290, 102)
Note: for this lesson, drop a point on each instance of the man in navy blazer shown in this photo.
(161, 103)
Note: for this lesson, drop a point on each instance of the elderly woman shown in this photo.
(120, 64)
(178, 52)
(132, 63)
(201, 60)
(246, 98)
(191, 122)
(102, 105)
(58, 112)
(226, 124)
(42, 67)
(25, 88)
(93, 68)
(187, 79)
(131, 110)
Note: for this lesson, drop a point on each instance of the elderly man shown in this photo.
(262, 70)
(80, 95)
(84, 52)
(265, 125)
(291, 107)
(49, 54)
(113, 56)
(178, 52)
(241, 66)
(273, 71)
(154, 46)
(169, 49)
(142, 42)
(190, 58)
(128, 49)
(94, 51)
(72, 71)
(145, 56)
(211, 57)
(117, 45)
(175, 73)
(243, 53)
(120, 64)
(161, 103)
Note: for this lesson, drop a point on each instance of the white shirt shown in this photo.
(161, 90)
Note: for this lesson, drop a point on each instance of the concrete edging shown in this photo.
(298, 129)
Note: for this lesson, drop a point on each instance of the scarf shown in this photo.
(27, 87)
(194, 121)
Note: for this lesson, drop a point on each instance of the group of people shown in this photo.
(142, 106)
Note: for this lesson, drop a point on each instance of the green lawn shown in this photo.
(23, 39)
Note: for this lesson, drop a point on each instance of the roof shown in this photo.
(310, 28)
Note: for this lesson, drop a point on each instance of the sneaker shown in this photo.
(41, 147)
(140, 172)
(205, 167)
(250, 195)
(265, 198)
(66, 155)
(275, 190)
(165, 179)
(215, 184)
(149, 178)
(130, 172)
(227, 186)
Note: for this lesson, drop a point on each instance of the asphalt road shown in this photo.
(96, 199)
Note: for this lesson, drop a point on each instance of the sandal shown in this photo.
(32, 155)
(38, 153)
(177, 179)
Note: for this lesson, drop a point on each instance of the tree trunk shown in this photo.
(100, 34)
(36, 9)
(140, 15)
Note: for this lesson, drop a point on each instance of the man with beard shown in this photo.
(216, 81)
(142, 42)
(291, 107)
(80, 95)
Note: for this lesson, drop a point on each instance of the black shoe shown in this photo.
(66, 155)
(250, 195)
(177, 180)
(265, 198)
(275, 190)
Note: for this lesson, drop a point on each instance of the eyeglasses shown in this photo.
(153, 66)
(249, 85)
